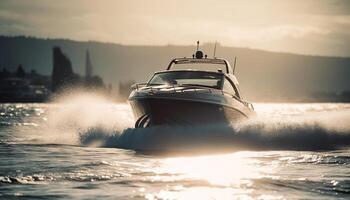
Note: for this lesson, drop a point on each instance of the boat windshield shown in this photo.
(195, 78)
(212, 64)
(200, 66)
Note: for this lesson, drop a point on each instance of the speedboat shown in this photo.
(191, 91)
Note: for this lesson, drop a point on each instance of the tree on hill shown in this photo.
(4, 73)
(20, 71)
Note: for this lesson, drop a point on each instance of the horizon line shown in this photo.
(165, 45)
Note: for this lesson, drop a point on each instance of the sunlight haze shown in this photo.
(318, 27)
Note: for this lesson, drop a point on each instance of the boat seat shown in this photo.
(218, 84)
(172, 82)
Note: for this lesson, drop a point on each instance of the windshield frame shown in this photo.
(218, 61)
(188, 71)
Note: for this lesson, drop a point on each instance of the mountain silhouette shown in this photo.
(263, 75)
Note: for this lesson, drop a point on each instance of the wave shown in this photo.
(254, 135)
(84, 119)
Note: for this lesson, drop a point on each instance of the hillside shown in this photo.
(263, 75)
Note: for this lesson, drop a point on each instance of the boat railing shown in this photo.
(179, 88)
(196, 89)
(136, 86)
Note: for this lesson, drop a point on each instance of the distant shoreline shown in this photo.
(120, 101)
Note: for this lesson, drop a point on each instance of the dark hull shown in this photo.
(158, 111)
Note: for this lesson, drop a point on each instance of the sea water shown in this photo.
(85, 147)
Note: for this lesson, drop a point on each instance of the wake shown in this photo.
(253, 135)
(94, 121)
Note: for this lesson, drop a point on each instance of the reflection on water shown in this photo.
(42, 154)
(234, 168)
(219, 176)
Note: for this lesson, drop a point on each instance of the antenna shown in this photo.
(234, 65)
(215, 49)
(197, 45)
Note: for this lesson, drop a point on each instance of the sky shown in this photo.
(316, 27)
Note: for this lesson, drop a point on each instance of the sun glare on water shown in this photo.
(218, 176)
(221, 170)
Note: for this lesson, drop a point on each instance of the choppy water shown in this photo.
(84, 148)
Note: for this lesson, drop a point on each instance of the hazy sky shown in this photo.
(300, 26)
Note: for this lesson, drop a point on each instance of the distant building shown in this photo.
(62, 74)
(22, 87)
(92, 81)
(88, 66)
(20, 90)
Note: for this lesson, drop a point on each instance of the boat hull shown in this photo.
(159, 111)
